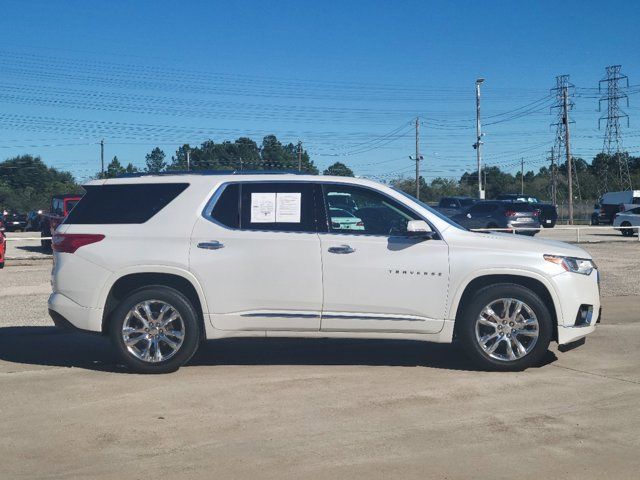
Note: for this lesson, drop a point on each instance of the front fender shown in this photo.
(459, 289)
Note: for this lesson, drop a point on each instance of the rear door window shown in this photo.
(278, 206)
(123, 203)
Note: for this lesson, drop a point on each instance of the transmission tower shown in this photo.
(612, 137)
(563, 106)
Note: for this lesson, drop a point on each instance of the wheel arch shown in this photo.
(526, 279)
(126, 282)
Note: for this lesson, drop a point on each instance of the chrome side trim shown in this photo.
(394, 318)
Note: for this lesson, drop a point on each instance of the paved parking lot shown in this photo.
(270, 408)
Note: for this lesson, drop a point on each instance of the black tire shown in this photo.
(627, 232)
(191, 329)
(466, 325)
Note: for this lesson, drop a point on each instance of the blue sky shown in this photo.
(346, 78)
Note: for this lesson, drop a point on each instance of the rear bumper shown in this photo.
(67, 313)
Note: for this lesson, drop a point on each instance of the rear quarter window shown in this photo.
(123, 204)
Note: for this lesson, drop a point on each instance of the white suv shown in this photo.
(162, 262)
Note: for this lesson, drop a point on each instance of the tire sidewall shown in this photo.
(494, 292)
(179, 302)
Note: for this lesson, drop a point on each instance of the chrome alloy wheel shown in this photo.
(507, 329)
(153, 331)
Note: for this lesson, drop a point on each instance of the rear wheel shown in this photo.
(627, 232)
(155, 330)
(505, 327)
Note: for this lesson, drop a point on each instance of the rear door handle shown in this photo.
(213, 245)
(342, 249)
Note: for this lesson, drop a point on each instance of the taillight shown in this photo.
(509, 213)
(70, 242)
(536, 213)
(602, 210)
(360, 224)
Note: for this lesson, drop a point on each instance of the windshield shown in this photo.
(441, 216)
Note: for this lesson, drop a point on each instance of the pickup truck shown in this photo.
(61, 205)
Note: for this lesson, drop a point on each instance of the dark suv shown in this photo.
(548, 213)
(501, 215)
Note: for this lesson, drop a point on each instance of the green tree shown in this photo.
(338, 169)
(155, 161)
(26, 183)
(115, 168)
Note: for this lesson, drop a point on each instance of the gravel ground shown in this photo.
(315, 409)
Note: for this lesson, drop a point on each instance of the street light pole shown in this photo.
(478, 143)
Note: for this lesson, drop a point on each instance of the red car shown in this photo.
(61, 205)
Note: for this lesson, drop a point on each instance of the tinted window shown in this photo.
(130, 203)
(465, 202)
(69, 204)
(520, 207)
(447, 203)
(227, 208)
(372, 213)
(56, 206)
(288, 207)
(483, 208)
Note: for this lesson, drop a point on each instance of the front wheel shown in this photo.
(505, 327)
(627, 232)
(155, 330)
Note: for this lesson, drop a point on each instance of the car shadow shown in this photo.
(52, 346)
(32, 248)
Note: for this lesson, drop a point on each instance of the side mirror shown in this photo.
(419, 229)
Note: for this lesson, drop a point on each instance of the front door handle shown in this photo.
(213, 245)
(342, 249)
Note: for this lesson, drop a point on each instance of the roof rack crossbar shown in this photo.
(213, 172)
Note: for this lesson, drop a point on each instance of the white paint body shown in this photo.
(288, 284)
(629, 218)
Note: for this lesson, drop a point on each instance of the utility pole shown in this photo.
(554, 178)
(565, 104)
(417, 158)
(102, 157)
(188, 162)
(299, 156)
(522, 176)
(241, 164)
(478, 143)
(562, 105)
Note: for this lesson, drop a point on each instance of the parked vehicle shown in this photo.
(61, 205)
(613, 202)
(34, 220)
(595, 215)
(260, 255)
(15, 222)
(3, 246)
(453, 205)
(345, 220)
(500, 215)
(628, 218)
(548, 213)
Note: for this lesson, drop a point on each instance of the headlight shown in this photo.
(572, 264)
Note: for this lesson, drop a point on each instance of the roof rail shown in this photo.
(213, 172)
